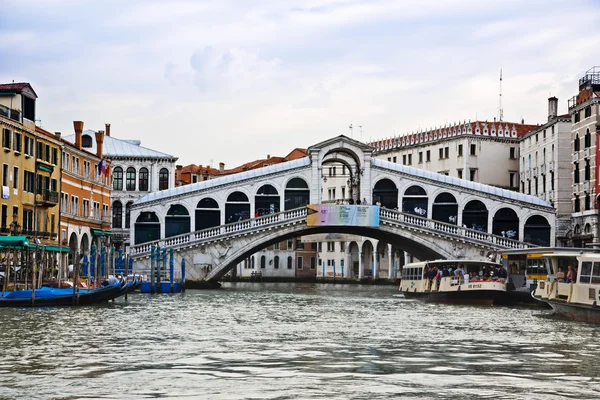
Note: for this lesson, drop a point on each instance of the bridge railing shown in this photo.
(220, 231)
(445, 227)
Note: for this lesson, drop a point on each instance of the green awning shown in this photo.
(100, 232)
(45, 168)
(14, 241)
(58, 249)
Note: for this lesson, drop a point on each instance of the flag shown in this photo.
(100, 166)
(105, 169)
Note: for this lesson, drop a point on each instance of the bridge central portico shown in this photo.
(220, 222)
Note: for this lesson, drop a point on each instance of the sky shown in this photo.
(234, 81)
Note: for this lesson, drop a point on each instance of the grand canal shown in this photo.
(294, 341)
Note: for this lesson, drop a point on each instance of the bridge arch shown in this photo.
(208, 214)
(266, 200)
(406, 239)
(177, 220)
(385, 192)
(296, 193)
(237, 207)
(537, 230)
(147, 227)
(445, 208)
(415, 201)
(506, 223)
(475, 215)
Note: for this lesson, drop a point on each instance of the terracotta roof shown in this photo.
(296, 153)
(15, 87)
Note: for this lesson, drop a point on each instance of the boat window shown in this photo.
(564, 262)
(537, 268)
(412, 274)
(596, 273)
(586, 272)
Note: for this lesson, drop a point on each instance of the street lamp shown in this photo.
(15, 228)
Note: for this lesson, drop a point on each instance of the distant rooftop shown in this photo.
(113, 147)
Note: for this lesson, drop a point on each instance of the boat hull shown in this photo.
(477, 297)
(579, 312)
(49, 297)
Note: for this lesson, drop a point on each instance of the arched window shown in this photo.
(576, 143)
(143, 180)
(128, 214)
(130, 179)
(163, 179)
(290, 264)
(118, 178)
(86, 141)
(588, 139)
(263, 261)
(276, 262)
(117, 215)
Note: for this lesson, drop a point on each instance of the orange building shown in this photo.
(84, 195)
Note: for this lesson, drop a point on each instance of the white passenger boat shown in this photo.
(576, 298)
(467, 282)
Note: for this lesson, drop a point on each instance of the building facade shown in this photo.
(135, 170)
(30, 169)
(584, 109)
(545, 166)
(84, 195)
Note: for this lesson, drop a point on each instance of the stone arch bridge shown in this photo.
(220, 222)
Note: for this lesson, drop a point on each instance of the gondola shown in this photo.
(53, 297)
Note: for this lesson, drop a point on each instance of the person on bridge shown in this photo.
(502, 274)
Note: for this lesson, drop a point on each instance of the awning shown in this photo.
(45, 168)
(14, 241)
(58, 249)
(100, 232)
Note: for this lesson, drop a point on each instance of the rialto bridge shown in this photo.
(221, 222)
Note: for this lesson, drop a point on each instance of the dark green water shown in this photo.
(295, 341)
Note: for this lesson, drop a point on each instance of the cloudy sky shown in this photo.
(233, 81)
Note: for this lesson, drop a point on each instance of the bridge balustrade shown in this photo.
(298, 214)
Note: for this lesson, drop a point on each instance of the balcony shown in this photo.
(586, 152)
(551, 166)
(586, 187)
(575, 156)
(543, 169)
(535, 171)
(528, 174)
(47, 198)
(576, 188)
(550, 195)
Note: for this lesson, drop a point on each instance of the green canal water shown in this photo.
(294, 341)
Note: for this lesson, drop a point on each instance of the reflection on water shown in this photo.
(286, 341)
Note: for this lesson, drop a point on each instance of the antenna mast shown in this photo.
(500, 110)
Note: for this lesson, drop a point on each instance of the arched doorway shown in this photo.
(506, 223)
(85, 245)
(266, 201)
(73, 248)
(368, 252)
(445, 208)
(415, 201)
(296, 194)
(475, 216)
(237, 207)
(117, 215)
(177, 221)
(207, 214)
(537, 231)
(147, 227)
(386, 192)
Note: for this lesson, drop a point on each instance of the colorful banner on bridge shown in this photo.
(342, 215)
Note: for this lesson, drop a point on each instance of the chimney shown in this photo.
(99, 142)
(107, 129)
(221, 166)
(57, 135)
(179, 167)
(78, 125)
(268, 156)
(552, 108)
